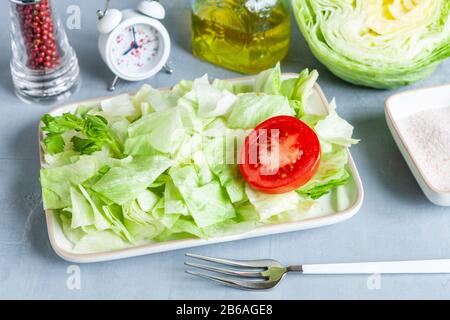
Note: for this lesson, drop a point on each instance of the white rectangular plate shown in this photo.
(404, 104)
(324, 213)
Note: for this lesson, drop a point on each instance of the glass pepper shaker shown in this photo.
(44, 66)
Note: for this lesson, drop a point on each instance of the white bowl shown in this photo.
(402, 105)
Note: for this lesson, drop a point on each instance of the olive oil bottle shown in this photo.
(247, 36)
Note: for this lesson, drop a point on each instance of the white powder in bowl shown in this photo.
(427, 134)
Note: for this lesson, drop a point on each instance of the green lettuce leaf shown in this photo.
(158, 100)
(268, 205)
(56, 182)
(82, 213)
(269, 81)
(145, 134)
(124, 184)
(167, 220)
(334, 129)
(101, 221)
(173, 201)
(147, 200)
(301, 87)
(100, 241)
(74, 235)
(227, 174)
(229, 228)
(213, 102)
(141, 225)
(118, 108)
(252, 108)
(208, 204)
(182, 87)
(331, 173)
(224, 85)
(184, 227)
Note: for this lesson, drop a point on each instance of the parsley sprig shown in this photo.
(94, 128)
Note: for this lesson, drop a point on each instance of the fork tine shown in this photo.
(230, 262)
(253, 285)
(249, 274)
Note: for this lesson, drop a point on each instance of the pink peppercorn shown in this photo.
(37, 27)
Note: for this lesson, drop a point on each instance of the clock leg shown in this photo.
(168, 68)
(114, 83)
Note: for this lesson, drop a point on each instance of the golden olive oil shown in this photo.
(232, 34)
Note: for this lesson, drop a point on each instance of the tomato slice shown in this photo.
(280, 155)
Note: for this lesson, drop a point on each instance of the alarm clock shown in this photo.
(134, 44)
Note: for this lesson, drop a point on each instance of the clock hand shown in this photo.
(134, 35)
(128, 51)
(134, 44)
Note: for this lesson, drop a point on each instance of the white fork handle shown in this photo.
(418, 266)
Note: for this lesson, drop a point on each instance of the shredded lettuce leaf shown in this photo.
(334, 129)
(251, 109)
(331, 173)
(269, 81)
(123, 184)
(208, 204)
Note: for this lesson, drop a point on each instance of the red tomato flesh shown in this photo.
(280, 155)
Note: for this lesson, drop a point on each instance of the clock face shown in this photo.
(135, 49)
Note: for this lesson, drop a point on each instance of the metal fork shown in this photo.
(268, 273)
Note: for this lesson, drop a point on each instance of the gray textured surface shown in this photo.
(395, 222)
